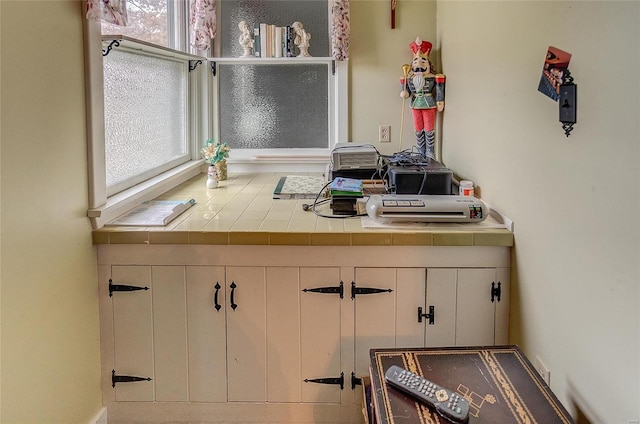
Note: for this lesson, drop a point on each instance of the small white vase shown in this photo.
(212, 182)
(212, 177)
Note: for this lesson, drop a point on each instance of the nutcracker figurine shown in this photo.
(426, 91)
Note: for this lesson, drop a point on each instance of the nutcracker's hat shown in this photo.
(420, 48)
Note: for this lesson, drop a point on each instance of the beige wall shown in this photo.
(50, 336)
(377, 54)
(573, 199)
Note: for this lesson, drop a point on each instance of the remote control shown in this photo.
(448, 404)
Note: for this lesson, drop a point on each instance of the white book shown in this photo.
(263, 40)
(153, 213)
(278, 42)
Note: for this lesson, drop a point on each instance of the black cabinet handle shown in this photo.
(233, 288)
(431, 316)
(216, 304)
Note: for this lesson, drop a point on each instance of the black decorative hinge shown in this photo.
(213, 68)
(431, 316)
(328, 380)
(328, 290)
(125, 378)
(123, 288)
(496, 291)
(366, 290)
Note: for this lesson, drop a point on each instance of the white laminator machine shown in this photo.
(426, 208)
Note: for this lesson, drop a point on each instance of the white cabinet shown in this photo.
(429, 307)
(283, 327)
(200, 333)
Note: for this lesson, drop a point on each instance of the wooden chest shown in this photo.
(499, 382)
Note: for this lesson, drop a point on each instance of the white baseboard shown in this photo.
(100, 417)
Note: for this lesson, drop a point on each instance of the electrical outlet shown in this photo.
(543, 370)
(384, 133)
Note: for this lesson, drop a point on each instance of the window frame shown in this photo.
(102, 206)
(203, 123)
(292, 159)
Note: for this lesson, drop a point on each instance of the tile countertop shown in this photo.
(242, 211)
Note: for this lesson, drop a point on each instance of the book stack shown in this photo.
(345, 193)
(272, 41)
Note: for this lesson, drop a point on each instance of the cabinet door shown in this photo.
(387, 319)
(150, 333)
(207, 337)
(133, 332)
(477, 309)
(170, 333)
(283, 334)
(502, 306)
(246, 334)
(441, 294)
(320, 333)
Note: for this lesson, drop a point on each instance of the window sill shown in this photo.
(279, 163)
(126, 200)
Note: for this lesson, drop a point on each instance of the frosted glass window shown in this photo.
(274, 106)
(145, 99)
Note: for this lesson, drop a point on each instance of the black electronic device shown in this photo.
(446, 403)
(361, 174)
(428, 177)
(344, 205)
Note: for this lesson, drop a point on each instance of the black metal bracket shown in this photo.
(213, 68)
(193, 64)
(567, 102)
(431, 316)
(123, 288)
(366, 290)
(496, 292)
(125, 378)
(114, 43)
(328, 380)
(328, 290)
